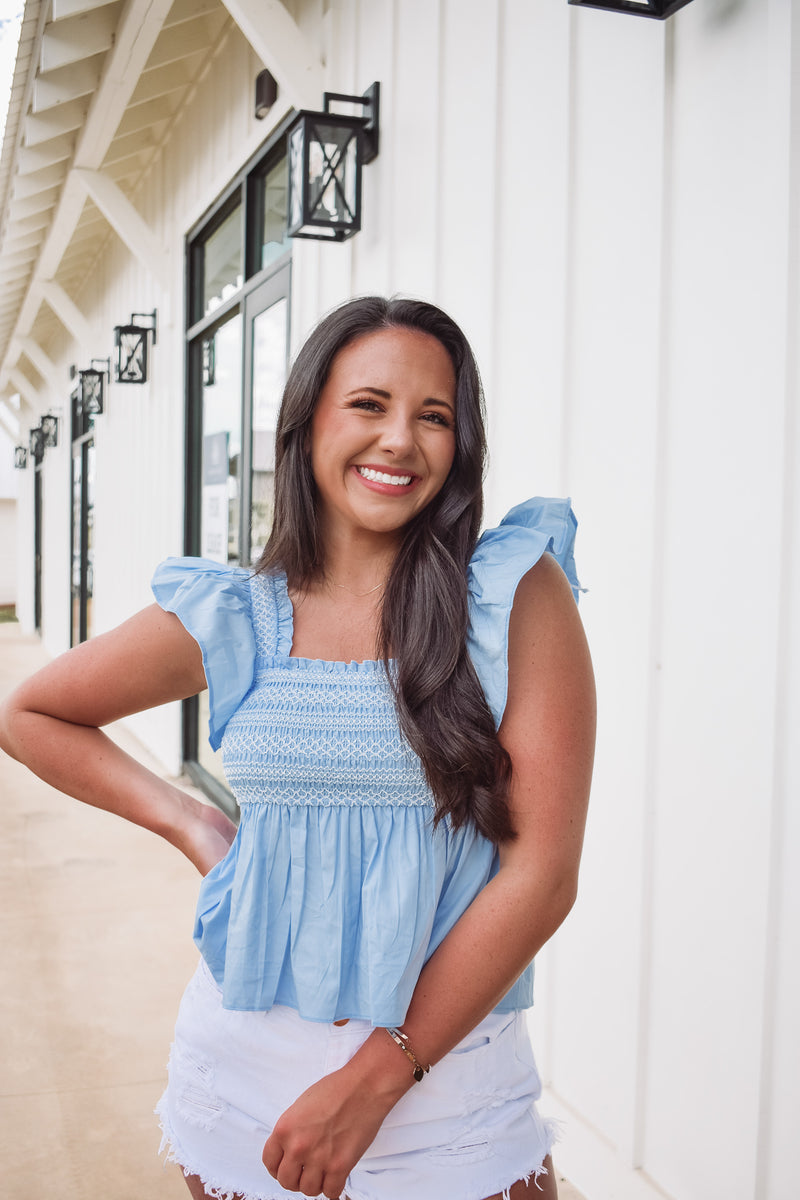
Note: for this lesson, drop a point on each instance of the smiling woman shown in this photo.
(407, 719)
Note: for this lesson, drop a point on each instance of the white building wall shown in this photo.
(8, 521)
(605, 203)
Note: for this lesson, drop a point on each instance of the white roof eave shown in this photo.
(79, 64)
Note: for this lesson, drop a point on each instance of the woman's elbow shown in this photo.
(561, 896)
(6, 728)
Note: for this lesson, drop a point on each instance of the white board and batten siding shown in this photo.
(609, 207)
(604, 204)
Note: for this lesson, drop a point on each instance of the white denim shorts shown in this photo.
(469, 1130)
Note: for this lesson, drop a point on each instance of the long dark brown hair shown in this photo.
(440, 705)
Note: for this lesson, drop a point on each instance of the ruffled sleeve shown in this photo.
(212, 602)
(501, 558)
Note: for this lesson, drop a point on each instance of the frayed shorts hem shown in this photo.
(470, 1130)
(220, 1191)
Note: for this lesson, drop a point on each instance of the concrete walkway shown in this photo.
(96, 953)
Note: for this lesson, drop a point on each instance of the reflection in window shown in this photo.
(275, 240)
(222, 446)
(223, 270)
(82, 570)
(77, 510)
(269, 377)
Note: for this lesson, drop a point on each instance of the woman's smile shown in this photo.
(383, 433)
(384, 478)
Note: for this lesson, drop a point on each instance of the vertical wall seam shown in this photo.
(497, 244)
(438, 117)
(774, 917)
(351, 250)
(567, 399)
(391, 173)
(656, 621)
(549, 1036)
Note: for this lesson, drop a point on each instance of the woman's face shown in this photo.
(383, 432)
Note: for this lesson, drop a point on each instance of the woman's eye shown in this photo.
(366, 405)
(436, 418)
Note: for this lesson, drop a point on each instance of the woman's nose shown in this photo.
(397, 434)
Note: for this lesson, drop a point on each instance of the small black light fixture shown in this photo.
(20, 458)
(49, 426)
(660, 9)
(92, 386)
(266, 93)
(130, 344)
(326, 152)
(36, 444)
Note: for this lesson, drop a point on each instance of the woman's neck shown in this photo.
(359, 566)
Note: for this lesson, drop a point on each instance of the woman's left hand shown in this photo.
(318, 1140)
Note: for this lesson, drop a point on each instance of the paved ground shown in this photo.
(96, 953)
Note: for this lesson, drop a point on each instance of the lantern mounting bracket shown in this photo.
(371, 103)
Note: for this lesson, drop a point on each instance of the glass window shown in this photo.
(223, 267)
(269, 333)
(222, 444)
(77, 522)
(82, 569)
(274, 239)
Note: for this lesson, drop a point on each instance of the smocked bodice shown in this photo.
(307, 727)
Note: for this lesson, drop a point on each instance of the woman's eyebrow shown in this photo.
(373, 390)
(440, 403)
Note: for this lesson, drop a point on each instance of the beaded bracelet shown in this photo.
(402, 1041)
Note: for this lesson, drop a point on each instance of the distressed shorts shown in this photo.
(469, 1130)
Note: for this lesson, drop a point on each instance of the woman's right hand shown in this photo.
(206, 834)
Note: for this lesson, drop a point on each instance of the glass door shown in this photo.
(82, 568)
(237, 337)
(221, 443)
(37, 548)
(266, 355)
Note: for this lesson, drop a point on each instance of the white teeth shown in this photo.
(382, 477)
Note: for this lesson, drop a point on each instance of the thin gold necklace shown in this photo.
(358, 594)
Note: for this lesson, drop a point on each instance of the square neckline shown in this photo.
(286, 617)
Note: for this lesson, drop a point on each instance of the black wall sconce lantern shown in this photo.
(660, 9)
(266, 93)
(130, 344)
(92, 386)
(49, 427)
(326, 152)
(20, 457)
(36, 444)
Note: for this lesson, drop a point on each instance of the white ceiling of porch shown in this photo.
(96, 87)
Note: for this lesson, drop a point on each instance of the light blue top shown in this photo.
(337, 888)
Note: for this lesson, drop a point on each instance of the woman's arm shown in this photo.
(51, 723)
(548, 729)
